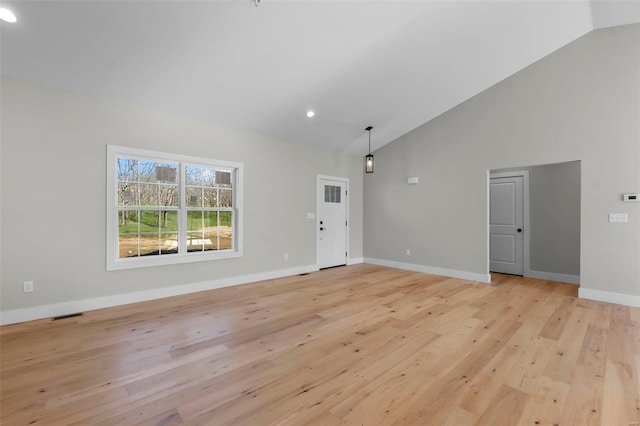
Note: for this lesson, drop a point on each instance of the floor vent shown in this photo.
(61, 317)
(331, 267)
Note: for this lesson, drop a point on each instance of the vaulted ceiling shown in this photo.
(390, 64)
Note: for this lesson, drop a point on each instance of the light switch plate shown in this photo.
(618, 217)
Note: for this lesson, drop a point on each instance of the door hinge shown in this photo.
(345, 223)
(345, 254)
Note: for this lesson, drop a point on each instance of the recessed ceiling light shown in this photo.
(310, 113)
(6, 15)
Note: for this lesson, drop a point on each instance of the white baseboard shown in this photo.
(472, 276)
(552, 276)
(610, 297)
(57, 309)
(46, 311)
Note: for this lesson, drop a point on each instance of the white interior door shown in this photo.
(331, 222)
(506, 221)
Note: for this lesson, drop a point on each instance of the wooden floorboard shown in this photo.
(357, 345)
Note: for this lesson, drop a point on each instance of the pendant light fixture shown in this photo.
(368, 159)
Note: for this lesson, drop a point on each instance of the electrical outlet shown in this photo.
(618, 217)
(28, 286)
(286, 256)
(408, 252)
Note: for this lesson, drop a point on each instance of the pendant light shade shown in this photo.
(368, 159)
(368, 163)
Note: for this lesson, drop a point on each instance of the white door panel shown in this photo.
(331, 222)
(503, 198)
(506, 220)
(503, 248)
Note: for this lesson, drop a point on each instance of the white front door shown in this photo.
(506, 221)
(331, 222)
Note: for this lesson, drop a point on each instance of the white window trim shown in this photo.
(113, 262)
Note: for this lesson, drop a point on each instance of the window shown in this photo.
(166, 208)
(331, 194)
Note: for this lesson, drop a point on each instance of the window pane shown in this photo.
(226, 198)
(149, 240)
(128, 221)
(195, 237)
(149, 221)
(168, 195)
(194, 241)
(208, 176)
(194, 221)
(128, 233)
(168, 221)
(152, 171)
(223, 178)
(149, 244)
(127, 170)
(192, 175)
(331, 194)
(156, 232)
(127, 194)
(193, 196)
(215, 187)
(210, 230)
(128, 245)
(225, 231)
(202, 231)
(166, 173)
(146, 171)
(169, 243)
(148, 195)
(210, 197)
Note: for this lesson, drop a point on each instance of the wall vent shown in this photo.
(61, 317)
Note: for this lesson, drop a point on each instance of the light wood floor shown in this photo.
(358, 345)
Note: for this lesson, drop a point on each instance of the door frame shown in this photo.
(317, 224)
(526, 272)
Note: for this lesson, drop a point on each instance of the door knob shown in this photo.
(519, 229)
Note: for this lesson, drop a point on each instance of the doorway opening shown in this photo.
(534, 221)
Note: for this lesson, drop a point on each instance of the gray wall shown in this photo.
(53, 195)
(554, 217)
(554, 196)
(580, 103)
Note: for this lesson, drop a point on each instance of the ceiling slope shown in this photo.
(393, 64)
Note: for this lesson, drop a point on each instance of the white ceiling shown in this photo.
(390, 64)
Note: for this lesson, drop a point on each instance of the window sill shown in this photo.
(169, 259)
